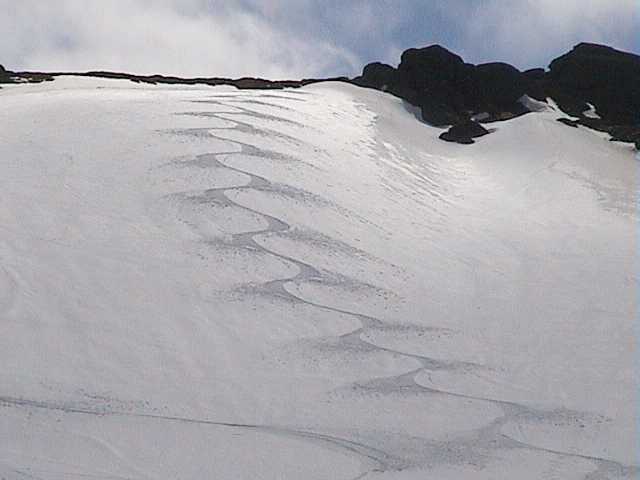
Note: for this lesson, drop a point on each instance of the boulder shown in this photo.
(464, 133)
(449, 91)
(430, 78)
(602, 76)
(425, 68)
(497, 86)
(448, 137)
(377, 75)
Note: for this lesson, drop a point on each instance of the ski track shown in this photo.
(477, 444)
(485, 437)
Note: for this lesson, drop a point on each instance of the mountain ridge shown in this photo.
(596, 84)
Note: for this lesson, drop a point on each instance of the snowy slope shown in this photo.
(210, 283)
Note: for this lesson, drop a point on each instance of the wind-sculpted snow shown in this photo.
(308, 284)
(8, 289)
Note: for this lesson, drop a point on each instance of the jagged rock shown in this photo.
(464, 133)
(602, 76)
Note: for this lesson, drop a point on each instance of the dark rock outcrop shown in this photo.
(464, 133)
(7, 76)
(568, 122)
(431, 78)
(498, 86)
(625, 133)
(534, 74)
(245, 83)
(607, 78)
(4, 76)
(593, 74)
(377, 75)
(618, 133)
(446, 89)
(449, 91)
(431, 67)
(436, 109)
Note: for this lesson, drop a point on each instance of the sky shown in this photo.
(298, 38)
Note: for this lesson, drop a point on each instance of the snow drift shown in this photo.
(205, 283)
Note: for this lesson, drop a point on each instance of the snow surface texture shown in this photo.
(308, 284)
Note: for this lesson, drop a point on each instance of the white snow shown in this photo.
(202, 283)
(535, 105)
(591, 112)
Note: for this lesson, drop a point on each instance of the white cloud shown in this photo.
(297, 38)
(188, 37)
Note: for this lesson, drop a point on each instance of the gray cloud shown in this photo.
(294, 38)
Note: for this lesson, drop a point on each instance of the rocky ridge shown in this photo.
(595, 84)
(245, 83)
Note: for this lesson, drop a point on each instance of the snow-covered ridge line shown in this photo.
(597, 84)
(245, 83)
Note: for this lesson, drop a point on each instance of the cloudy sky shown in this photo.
(295, 38)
